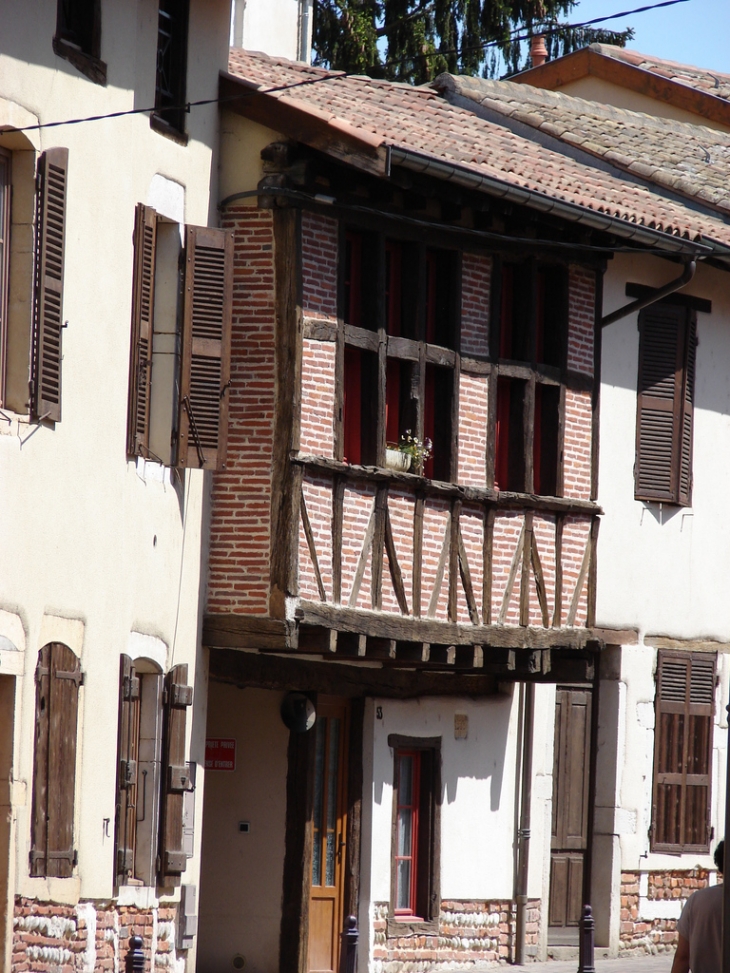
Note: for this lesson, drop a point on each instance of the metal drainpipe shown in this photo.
(673, 285)
(304, 31)
(523, 834)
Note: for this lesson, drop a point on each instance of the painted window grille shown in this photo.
(684, 706)
(401, 335)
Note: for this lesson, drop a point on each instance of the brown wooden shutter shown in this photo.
(58, 677)
(51, 219)
(140, 358)
(683, 752)
(206, 352)
(178, 696)
(126, 816)
(663, 470)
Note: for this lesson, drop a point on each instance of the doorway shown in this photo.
(570, 819)
(7, 711)
(329, 835)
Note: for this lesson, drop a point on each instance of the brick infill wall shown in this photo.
(469, 933)
(641, 932)
(52, 938)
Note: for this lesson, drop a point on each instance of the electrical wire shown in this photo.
(335, 75)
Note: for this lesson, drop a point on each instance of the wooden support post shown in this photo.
(558, 609)
(338, 497)
(488, 558)
(454, 559)
(525, 578)
(417, 552)
(381, 509)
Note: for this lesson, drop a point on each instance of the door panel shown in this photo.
(329, 830)
(571, 779)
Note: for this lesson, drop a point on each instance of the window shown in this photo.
(683, 752)
(78, 37)
(180, 351)
(152, 775)
(529, 333)
(414, 317)
(57, 677)
(416, 829)
(47, 354)
(665, 403)
(172, 53)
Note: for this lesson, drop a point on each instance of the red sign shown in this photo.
(220, 754)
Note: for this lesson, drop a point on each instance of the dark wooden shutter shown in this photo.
(140, 359)
(663, 470)
(178, 696)
(683, 752)
(51, 219)
(206, 353)
(58, 677)
(126, 816)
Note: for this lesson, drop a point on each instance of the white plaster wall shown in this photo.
(479, 783)
(273, 26)
(662, 569)
(94, 547)
(241, 881)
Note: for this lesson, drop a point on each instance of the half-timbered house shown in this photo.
(397, 654)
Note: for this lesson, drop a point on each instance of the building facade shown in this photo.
(100, 532)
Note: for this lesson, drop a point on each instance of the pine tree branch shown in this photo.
(387, 28)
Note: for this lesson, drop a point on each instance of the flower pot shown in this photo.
(396, 459)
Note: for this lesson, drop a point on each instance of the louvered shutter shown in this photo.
(206, 352)
(58, 677)
(178, 696)
(51, 219)
(143, 301)
(663, 470)
(126, 816)
(683, 752)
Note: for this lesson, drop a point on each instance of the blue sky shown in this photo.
(694, 32)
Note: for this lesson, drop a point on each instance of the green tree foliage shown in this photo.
(415, 40)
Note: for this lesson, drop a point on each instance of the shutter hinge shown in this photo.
(130, 689)
(178, 778)
(175, 862)
(40, 672)
(180, 695)
(128, 773)
(77, 676)
(225, 388)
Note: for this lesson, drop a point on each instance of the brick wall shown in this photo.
(582, 314)
(472, 430)
(241, 510)
(640, 934)
(319, 266)
(577, 445)
(476, 276)
(317, 434)
(469, 933)
(52, 938)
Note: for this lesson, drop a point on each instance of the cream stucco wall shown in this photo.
(662, 571)
(282, 28)
(93, 547)
(596, 89)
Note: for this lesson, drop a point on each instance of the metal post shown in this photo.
(585, 943)
(523, 832)
(135, 956)
(349, 946)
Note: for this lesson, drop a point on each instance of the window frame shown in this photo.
(425, 877)
(87, 61)
(169, 114)
(5, 229)
(426, 361)
(519, 458)
(666, 706)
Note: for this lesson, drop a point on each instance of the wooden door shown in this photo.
(329, 830)
(571, 778)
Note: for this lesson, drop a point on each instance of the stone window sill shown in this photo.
(397, 928)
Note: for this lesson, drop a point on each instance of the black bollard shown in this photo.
(585, 942)
(349, 946)
(135, 956)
